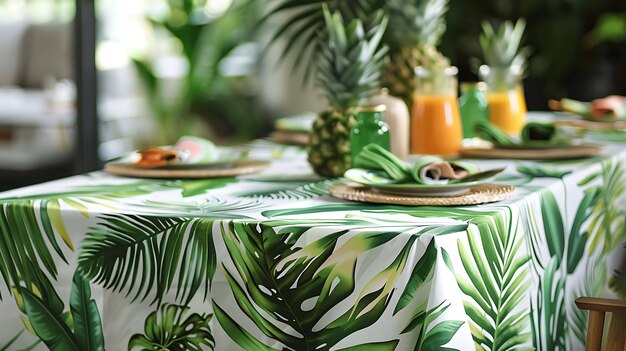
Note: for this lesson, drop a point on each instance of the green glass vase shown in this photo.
(369, 129)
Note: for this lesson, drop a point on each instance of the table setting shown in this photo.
(357, 234)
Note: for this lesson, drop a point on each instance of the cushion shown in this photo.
(11, 39)
(48, 52)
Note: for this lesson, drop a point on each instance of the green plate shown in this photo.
(376, 180)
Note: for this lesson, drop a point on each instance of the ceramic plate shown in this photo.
(376, 181)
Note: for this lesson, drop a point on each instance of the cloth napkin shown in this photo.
(583, 109)
(487, 131)
(187, 150)
(539, 131)
(532, 133)
(425, 170)
(375, 157)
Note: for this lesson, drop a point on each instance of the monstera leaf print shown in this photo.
(82, 332)
(286, 289)
(144, 254)
(172, 327)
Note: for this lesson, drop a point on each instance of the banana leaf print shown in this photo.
(172, 327)
(494, 287)
(145, 254)
(299, 285)
(81, 332)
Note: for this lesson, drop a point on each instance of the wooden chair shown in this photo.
(616, 339)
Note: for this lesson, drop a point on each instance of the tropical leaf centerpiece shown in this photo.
(348, 70)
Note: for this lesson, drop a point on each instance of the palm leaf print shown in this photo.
(495, 286)
(139, 253)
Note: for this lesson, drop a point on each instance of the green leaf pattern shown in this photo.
(243, 263)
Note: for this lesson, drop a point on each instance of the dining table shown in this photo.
(271, 261)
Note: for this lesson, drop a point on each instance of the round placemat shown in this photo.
(238, 168)
(562, 153)
(290, 138)
(480, 194)
(591, 125)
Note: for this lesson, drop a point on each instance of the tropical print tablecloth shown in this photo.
(271, 262)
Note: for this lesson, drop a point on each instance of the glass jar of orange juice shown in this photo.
(505, 95)
(435, 118)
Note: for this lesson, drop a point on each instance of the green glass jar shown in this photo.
(369, 129)
(473, 106)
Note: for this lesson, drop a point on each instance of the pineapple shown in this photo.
(505, 59)
(418, 26)
(348, 70)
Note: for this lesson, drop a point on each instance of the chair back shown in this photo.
(598, 308)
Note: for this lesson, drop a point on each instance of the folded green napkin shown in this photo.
(539, 131)
(425, 170)
(373, 156)
(487, 131)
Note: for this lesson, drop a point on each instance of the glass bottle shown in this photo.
(435, 120)
(369, 129)
(505, 95)
(473, 106)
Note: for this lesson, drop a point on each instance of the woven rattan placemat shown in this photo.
(480, 194)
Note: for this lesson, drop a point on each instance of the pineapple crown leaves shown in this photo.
(349, 67)
(423, 20)
(502, 48)
(301, 21)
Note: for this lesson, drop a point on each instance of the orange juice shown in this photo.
(435, 125)
(507, 110)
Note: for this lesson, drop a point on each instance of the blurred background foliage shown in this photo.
(578, 46)
(203, 68)
(220, 63)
